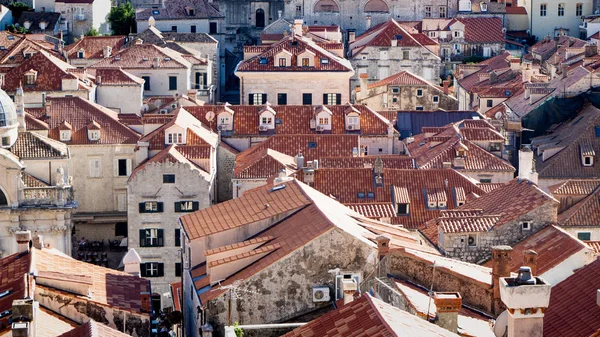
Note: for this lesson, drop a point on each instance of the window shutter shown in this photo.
(143, 270)
(324, 99)
(178, 269)
(338, 99)
(177, 237)
(161, 269)
(159, 207)
(177, 206)
(264, 98)
(142, 238)
(204, 79)
(160, 237)
(142, 207)
(250, 99)
(195, 205)
(129, 167)
(116, 167)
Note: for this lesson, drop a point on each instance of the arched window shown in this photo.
(377, 6)
(260, 18)
(326, 6)
(3, 200)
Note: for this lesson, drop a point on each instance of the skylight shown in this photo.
(6, 293)
(361, 195)
(324, 61)
(263, 60)
(312, 145)
(155, 12)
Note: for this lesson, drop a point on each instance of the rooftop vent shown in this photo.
(524, 277)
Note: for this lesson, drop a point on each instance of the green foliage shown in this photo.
(238, 331)
(122, 19)
(18, 8)
(17, 30)
(473, 59)
(92, 32)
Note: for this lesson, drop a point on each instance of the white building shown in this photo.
(556, 17)
(82, 15)
(181, 16)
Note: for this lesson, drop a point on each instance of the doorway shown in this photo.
(260, 18)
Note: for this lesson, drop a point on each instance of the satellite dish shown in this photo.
(498, 115)
(210, 116)
(501, 325)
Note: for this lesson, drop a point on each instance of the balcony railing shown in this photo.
(48, 196)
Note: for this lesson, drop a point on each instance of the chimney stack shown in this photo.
(526, 298)
(38, 241)
(132, 262)
(515, 63)
(106, 51)
(500, 268)
(20, 107)
(446, 85)
(530, 260)
(383, 245)
(349, 287)
(368, 25)
(156, 62)
(448, 304)
(364, 83)
(24, 323)
(298, 26)
(23, 241)
(526, 165)
(351, 37)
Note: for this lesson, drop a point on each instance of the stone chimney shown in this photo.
(368, 23)
(515, 63)
(349, 287)
(298, 26)
(530, 260)
(526, 298)
(24, 312)
(448, 304)
(500, 268)
(156, 62)
(132, 261)
(383, 245)
(364, 84)
(106, 51)
(591, 50)
(394, 42)
(38, 241)
(526, 165)
(351, 37)
(23, 241)
(446, 85)
(20, 107)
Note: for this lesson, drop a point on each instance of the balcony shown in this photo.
(80, 17)
(52, 196)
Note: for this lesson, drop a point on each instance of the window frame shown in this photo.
(588, 234)
(579, 9)
(172, 83)
(149, 207)
(543, 10)
(428, 11)
(306, 96)
(122, 164)
(282, 62)
(149, 266)
(420, 94)
(168, 179)
(561, 9)
(146, 83)
(282, 98)
(152, 237)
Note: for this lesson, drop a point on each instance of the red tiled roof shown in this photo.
(488, 187)
(261, 164)
(374, 210)
(369, 317)
(389, 161)
(575, 187)
(196, 155)
(595, 245)
(483, 30)
(12, 271)
(176, 294)
(16, 45)
(116, 76)
(30, 145)
(516, 10)
(93, 46)
(141, 56)
(79, 113)
(381, 36)
(403, 78)
(293, 119)
(295, 45)
(32, 123)
(573, 310)
(461, 221)
(584, 213)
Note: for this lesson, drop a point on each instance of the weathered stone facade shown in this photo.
(225, 165)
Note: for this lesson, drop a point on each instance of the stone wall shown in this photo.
(225, 165)
(382, 98)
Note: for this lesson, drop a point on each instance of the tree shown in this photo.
(17, 8)
(17, 30)
(92, 32)
(122, 19)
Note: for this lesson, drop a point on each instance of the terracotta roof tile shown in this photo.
(31, 181)
(488, 187)
(30, 145)
(93, 329)
(483, 30)
(595, 245)
(263, 163)
(459, 222)
(12, 269)
(573, 310)
(403, 78)
(113, 76)
(389, 161)
(374, 210)
(584, 213)
(575, 187)
(93, 46)
(195, 155)
(142, 56)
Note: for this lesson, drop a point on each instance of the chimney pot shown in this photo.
(349, 287)
(23, 240)
(447, 304)
(383, 245)
(530, 260)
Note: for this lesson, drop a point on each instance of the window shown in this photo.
(324, 61)
(456, 33)
(146, 83)
(65, 135)
(212, 28)
(403, 209)
(174, 29)
(406, 55)
(263, 60)
(121, 229)
(395, 90)
(323, 121)
(282, 62)
(257, 99)
(419, 108)
(584, 236)
(151, 237)
(30, 78)
(281, 99)
(332, 99)
(305, 62)
(436, 99)
(178, 269)
(353, 120)
(5, 141)
(266, 121)
(579, 9)
(95, 168)
(495, 147)
(177, 237)
(151, 207)
(543, 8)
(172, 82)
(174, 138)
(306, 99)
(442, 11)
(561, 9)
(419, 92)
(395, 100)
(588, 161)
(152, 269)
(485, 180)
(490, 103)
(94, 134)
(427, 11)
(298, 10)
(80, 54)
(122, 167)
(472, 241)
(168, 179)
(193, 28)
(186, 206)
(526, 225)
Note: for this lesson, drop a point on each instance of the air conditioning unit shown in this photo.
(262, 128)
(222, 127)
(350, 127)
(163, 111)
(173, 106)
(320, 294)
(447, 59)
(320, 128)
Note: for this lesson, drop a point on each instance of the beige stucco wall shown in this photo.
(125, 99)
(542, 26)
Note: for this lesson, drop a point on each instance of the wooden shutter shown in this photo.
(116, 167)
(178, 269)
(142, 207)
(161, 269)
(159, 207)
(143, 272)
(177, 237)
(338, 99)
(129, 167)
(264, 98)
(160, 235)
(142, 238)
(250, 99)
(204, 79)
(324, 99)
(195, 205)
(177, 206)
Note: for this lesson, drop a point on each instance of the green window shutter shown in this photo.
(250, 99)
(142, 238)
(177, 237)
(177, 206)
(161, 240)
(161, 269)
(338, 99)
(143, 270)
(195, 205)
(324, 99)
(142, 207)
(159, 207)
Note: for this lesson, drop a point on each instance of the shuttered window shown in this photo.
(152, 269)
(151, 237)
(151, 207)
(186, 206)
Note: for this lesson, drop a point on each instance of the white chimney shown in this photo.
(394, 42)
(156, 62)
(279, 14)
(368, 24)
(23, 240)
(132, 261)
(351, 37)
(349, 287)
(526, 165)
(298, 26)
(20, 107)
(364, 84)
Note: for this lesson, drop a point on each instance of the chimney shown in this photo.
(351, 37)
(500, 268)
(299, 159)
(279, 12)
(364, 83)
(298, 26)
(493, 77)
(132, 261)
(394, 42)
(106, 51)
(526, 165)
(368, 24)
(98, 79)
(448, 304)
(24, 323)
(564, 70)
(526, 297)
(23, 241)
(515, 63)
(349, 287)
(20, 107)
(383, 245)
(446, 85)
(38, 241)
(156, 62)
(530, 260)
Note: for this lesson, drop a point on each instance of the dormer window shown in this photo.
(174, 138)
(323, 118)
(94, 135)
(588, 161)
(190, 11)
(587, 154)
(284, 58)
(225, 119)
(80, 54)
(282, 62)
(65, 135)
(31, 77)
(526, 225)
(43, 24)
(267, 118)
(352, 118)
(306, 59)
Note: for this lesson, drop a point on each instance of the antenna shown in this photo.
(235, 290)
(431, 289)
